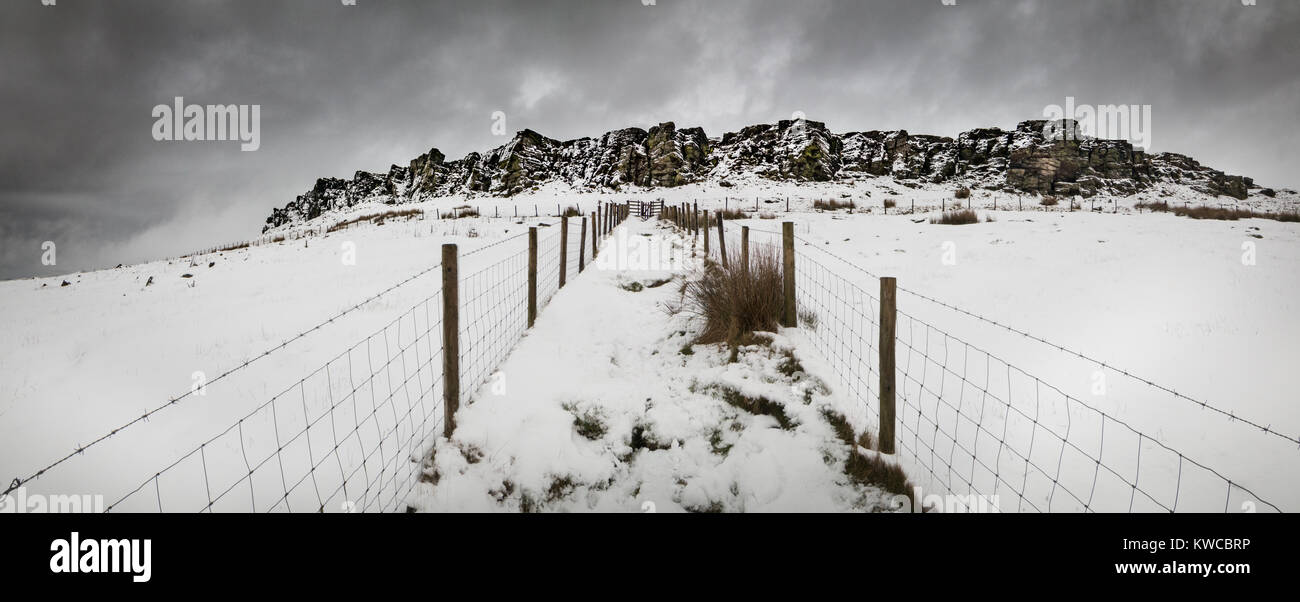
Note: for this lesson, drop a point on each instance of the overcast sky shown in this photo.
(344, 88)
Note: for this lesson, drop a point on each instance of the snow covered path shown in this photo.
(604, 406)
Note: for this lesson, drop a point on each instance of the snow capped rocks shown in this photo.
(1038, 156)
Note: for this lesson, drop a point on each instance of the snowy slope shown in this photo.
(1163, 297)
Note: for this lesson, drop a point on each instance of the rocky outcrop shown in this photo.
(1038, 156)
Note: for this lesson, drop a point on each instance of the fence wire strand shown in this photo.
(969, 423)
(354, 434)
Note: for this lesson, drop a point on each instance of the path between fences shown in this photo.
(564, 424)
(605, 405)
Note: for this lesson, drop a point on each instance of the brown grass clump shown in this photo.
(462, 211)
(1048, 201)
(1216, 213)
(869, 469)
(833, 205)
(376, 218)
(956, 218)
(962, 192)
(734, 300)
(729, 214)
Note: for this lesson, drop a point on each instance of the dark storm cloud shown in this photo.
(344, 88)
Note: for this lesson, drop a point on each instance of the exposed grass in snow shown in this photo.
(728, 214)
(867, 469)
(1217, 213)
(1154, 206)
(628, 411)
(957, 218)
(589, 422)
(754, 404)
(734, 300)
(377, 219)
(832, 205)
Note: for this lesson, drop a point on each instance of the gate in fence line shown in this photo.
(645, 209)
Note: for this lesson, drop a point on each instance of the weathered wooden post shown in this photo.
(532, 276)
(582, 246)
(706, 233)
(744, 249)
(564, 248)
(594, 236)
(888, 319)
(791, 317)
(722, 241)
(450, 339)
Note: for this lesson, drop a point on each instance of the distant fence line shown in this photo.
(756, 205)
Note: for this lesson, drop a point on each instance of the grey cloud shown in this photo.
(361, 87)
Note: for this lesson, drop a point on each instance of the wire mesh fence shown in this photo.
(972, 425)
(354, 435)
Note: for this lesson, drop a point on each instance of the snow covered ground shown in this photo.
(1162, 297)
(81, 360)
(606, 406)
(1179, 302)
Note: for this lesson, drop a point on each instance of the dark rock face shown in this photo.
(676, 156)
(800, 150)
(1038, 156)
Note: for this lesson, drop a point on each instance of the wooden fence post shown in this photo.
(722, 241)
(564, 248)
(532, 276)
(888, 319)
(744, 249)
(450, 339)
(582, 246)
(791, 317)
(706, 233)
(594, 235)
